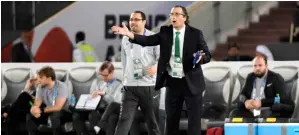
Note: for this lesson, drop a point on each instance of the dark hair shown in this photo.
(80, 36)
(264, 58)
(47, 71)
(184, 12)
(143, 17)
(107, 65)
(234, 45)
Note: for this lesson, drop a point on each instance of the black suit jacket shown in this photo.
(274, 84)
(193, 42)
(20, 54)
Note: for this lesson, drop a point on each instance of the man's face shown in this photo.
(43, 80)
(260, 67)
(106, 76)
(177, 17)
(25, 37)
(233, 51)
(137, 24)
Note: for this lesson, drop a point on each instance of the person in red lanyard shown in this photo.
(261, 88)
(54, 95)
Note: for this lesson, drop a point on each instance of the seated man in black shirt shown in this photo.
(259, 92)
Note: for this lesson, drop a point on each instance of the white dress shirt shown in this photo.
(181, 36)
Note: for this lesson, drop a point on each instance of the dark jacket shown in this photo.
(20, 54)
(274, 85)
(193, 42)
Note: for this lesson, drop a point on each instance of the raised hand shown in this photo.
(200, 57)
(120, 30)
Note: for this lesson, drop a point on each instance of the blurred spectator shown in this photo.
(118, 55)
(262, 50)
(234, 54)
(20, 51)
(296, 27)
(110, 54)
(261, 88)
(83, 52)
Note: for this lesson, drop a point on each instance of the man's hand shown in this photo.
(5, 115)
(200, 57)
(29, 84)
(35, 110)
(120, 30)
(151, 71)
(256, 104)
(94, 94)
(37, 115)
(98, 92)
(249, 105)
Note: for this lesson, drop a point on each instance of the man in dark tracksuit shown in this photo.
(14, 114)
(139, 68)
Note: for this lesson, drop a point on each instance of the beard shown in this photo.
(133, 28)
(259, 74)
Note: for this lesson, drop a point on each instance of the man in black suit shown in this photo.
(20, 51)
(184, 80)
(260, 90)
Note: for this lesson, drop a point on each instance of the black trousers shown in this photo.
(79, 118)
(242, 112)
(106, 121)
(109, 118)
(177, 91)
(17, 113)
(57, 119)
(147, 98)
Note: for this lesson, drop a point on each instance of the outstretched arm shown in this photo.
(142, 40)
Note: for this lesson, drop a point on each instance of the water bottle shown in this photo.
(73, 100)
(277, 99)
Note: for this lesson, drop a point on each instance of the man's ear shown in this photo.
(185, 17)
